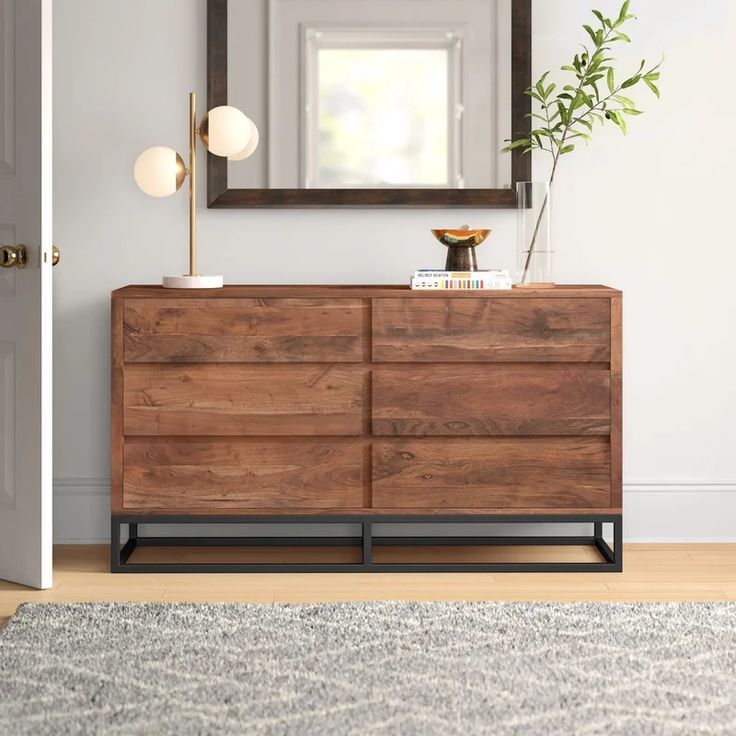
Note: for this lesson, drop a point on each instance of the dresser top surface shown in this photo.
(331, 291)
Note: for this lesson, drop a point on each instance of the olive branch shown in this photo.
(570, 115)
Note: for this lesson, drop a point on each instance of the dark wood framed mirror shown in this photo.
(375, 107)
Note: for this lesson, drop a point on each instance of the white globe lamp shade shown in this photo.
(225, 131)
(159, 171)
(250, 146)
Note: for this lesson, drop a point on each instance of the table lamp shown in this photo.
(160, 171)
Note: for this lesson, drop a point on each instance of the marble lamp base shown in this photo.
(192, 282)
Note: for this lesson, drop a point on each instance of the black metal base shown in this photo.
(611, 558)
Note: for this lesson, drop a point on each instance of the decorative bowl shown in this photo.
(461, 246)
(464, 238)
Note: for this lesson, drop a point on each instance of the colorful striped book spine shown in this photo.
(472, 283)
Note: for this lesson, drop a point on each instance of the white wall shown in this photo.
(652, 214)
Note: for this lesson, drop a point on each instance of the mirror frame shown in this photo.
(219, 195)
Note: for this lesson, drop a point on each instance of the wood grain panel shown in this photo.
(492, 473)
(116, 404)
(491, 400)
(229, 399)
(365, 291)
(243, 330)
(616, 402)
(243, 475)
(491, 329)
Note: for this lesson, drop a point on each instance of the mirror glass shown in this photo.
(383, 94)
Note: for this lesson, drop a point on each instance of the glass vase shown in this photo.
(534, 234)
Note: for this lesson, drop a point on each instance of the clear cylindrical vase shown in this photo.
(534, 238)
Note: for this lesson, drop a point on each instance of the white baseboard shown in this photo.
(661, 511)
(679, 512)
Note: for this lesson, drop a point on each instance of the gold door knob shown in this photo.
(55, 255)
(13, 255)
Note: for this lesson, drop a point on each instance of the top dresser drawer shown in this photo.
(243, 330)
(492, 329)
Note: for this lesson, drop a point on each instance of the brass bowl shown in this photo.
(461, 238)
(461, 247)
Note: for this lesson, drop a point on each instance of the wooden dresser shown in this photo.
(366, 404)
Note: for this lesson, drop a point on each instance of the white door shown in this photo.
(25, 292)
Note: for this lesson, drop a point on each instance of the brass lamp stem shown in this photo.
(192, 184)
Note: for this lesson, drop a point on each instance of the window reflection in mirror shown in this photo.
(372, 93)
(382, 118)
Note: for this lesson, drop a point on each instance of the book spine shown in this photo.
(474, 284)
(460, 274)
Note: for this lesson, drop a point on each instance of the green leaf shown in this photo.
(516, 144)
(622, 37)
(611, 82)
(539, 86)
(624, 11)
(624, 101)
(619, 119)
(533, 94)
(599, 15)
(632, 111)
(593, 35)
(579, 100)
(652, 87)
(630, 82)
(567, 149)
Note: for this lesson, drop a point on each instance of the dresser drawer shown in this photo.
(242, 475)
(492, 473)
(491, 400)
(491, 329)
(243, 330)
(228, 399)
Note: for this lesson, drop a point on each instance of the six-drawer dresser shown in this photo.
(366, 406)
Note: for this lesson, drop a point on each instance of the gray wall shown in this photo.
(651, 214)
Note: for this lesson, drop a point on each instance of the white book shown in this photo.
(427, 273)
(462, 284)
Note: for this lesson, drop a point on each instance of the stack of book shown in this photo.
(468, 280)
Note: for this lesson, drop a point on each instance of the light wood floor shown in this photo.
(653, 572)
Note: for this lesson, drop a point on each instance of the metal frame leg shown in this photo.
(121, 555)
(367, 544)
(115, 545)
(611, 559)
(614, 556)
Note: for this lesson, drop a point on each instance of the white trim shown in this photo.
(7, 90)
(656, 511)
(679, 487)
(272, 137)
(81, 487)
(47, 316)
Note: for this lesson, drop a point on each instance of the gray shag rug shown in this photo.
(370, 668)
